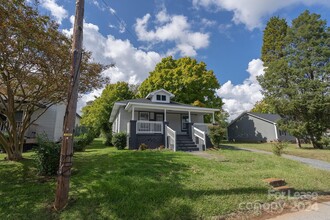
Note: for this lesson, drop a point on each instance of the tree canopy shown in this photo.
(297, 84)
(34, 70)
(97, 113)
(263, 107)
(273, 40)
(187, 79)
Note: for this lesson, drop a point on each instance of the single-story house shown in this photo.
(257, 127)
(50, 123)
(157, 120)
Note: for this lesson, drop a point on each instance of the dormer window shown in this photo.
(161, 97)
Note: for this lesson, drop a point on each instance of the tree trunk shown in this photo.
(298, 142)
(316, 144)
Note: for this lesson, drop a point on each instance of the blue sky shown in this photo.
(225, 34)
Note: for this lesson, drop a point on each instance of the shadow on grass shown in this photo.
(23, 196)
(229, 147)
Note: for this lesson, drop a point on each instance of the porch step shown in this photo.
(179, 148)
(184, 143)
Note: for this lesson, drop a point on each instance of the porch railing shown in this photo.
(170, 138)
(5, 124)
(199, 136)
(203, 127)
(149, 127)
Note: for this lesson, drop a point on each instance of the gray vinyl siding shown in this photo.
(251, 129)
(285, 136)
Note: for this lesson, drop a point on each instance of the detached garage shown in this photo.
(257, 127)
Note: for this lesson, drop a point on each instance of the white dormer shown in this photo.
(160, 96)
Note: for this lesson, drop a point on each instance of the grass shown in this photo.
(111, 184)
(306, 151)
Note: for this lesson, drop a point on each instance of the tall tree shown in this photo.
(97, 113)
(297, 84)
(263, 106)
(273, 40)
(187, 79)
(34, 70)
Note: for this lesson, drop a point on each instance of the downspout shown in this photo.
(276, 135)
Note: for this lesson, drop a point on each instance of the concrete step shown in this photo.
(275, 182)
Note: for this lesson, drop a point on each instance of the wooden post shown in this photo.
(64, 171)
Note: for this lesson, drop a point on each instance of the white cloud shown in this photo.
(175, 29)
(208, 23)
(131, 64)
(242, 97)
(251, 12)
(56, 10)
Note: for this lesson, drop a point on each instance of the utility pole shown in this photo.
(64, 171)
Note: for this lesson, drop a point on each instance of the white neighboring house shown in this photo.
(156, 120)
(49, 123)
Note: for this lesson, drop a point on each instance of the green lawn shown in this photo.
(306, 151)
(112, 184)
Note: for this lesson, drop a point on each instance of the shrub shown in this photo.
(216, 134)
(143, 146)
(325, 140)
(119, 140)
(108, 138)
(80, 143)
(278, 147)
(47, 156)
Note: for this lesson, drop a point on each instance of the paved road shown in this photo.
(320, 212)
(311, 162)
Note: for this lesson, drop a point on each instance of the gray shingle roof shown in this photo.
(269, 117)
(148, 101)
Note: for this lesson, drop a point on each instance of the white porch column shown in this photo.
(213, 119)
(165, 118)
(189, 116)
(133, 113)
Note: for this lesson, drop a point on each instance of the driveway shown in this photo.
(322, 165)
(320, 212)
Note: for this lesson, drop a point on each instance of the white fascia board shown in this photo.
(114, 111)
(169, 107)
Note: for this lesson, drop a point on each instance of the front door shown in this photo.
(159, 116)
(184, 122)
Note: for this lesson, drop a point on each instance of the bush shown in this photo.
(47, 156)
(278, 147)
(119, 140)
(80, 143)
(107, 141)
(325, 140)
(143, 146)
(216, 134)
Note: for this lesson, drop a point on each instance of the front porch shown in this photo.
(159, 133)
